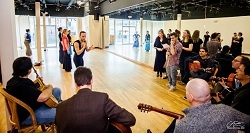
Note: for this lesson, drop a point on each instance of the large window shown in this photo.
(118, 32)
(52, 23)
(124, 30)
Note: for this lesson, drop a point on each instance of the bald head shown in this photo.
(198, 91)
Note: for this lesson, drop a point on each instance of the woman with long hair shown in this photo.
(187, 47)
(66, 53)
(196, 42)
(160, 57)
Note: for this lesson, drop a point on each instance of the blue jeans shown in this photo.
(45, 114)
(172, 74)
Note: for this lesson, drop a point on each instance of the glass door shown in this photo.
(118, 31)
(51, 36)
(125, 35)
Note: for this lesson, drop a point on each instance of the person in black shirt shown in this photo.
(187, 47)
(79, 48)
(241, 95)
(224, 54)
(196, 42)
(60, 45)
(206, 63)
(238, 45)
(160, 57)
(21, 87)
(206, 39)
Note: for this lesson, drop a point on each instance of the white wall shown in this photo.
(106, 31)
(22, 23)
(157, 25)
(226, 26)
(93, 33)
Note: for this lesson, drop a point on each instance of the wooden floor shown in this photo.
(136, 54)
(126, 82)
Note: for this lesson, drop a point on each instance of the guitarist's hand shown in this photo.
(217, 98)
(178, 120)
(222, 83)
(48, 86)
(46, 93)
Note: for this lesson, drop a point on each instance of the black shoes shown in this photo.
(165, 77)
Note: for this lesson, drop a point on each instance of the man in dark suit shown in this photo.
(89, 111)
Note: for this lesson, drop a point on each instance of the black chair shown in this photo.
(226, 67)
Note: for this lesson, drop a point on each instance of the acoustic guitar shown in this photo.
(148, 108)
(115, 127)
(196, 67)
(229, 82)
(52, 101)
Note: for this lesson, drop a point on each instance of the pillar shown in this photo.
(44, 32)
(179, 22)
(38, 33)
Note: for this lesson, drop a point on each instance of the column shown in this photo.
(152, 32)
(79, 23)
(101, 39)
(8, 47)
(179, 22)
(106, 34)
(38, 34)
(141, 27)
(44, 32)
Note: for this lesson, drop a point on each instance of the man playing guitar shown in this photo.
(221, 85)
(205, 62)
(241, 95)
(21, 87)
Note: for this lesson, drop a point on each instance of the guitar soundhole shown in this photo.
(37, 85)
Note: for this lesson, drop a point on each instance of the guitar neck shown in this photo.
(37, 76)
(168, 113)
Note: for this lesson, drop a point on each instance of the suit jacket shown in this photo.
(89, 112)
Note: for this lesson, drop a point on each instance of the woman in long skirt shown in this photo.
(136, 40)
(66, 58)
(60, 45)
(147, 42)
(160, 57)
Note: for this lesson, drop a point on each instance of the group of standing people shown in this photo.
(236, 45)
(173, 53)
(79, 48)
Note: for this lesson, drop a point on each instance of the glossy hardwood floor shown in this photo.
(139, 54)
(127, 83)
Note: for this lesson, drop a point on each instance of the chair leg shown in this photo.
(43, 128)
(52, 127)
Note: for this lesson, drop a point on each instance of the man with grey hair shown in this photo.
(204, 117)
